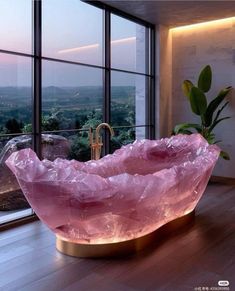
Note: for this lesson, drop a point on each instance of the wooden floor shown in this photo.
(196, 257)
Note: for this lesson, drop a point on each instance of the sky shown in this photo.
(72, 30)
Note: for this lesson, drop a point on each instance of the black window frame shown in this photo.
(150, 122)
(37, 58)
(106, 68)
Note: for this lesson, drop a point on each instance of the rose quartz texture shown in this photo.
(53, 146)
(121, 196)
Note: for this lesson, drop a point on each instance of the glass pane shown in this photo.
(128, 93)
(66, 145)
(16, 25)
(72, 30)
(13, 204)
(128, 45)
(72, 96)
(15, 94)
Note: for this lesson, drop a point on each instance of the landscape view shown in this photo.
(63, 108)
(72, 95)
(67, 108)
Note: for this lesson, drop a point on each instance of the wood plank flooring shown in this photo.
(198, 256)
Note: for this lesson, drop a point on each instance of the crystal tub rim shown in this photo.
(134, 198)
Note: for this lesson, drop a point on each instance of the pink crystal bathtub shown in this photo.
(122, 196)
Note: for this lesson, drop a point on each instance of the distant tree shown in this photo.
(2, 129)
(50, 123)
(13, 126)
(81, 116)
(94, 118)
(80, 149)
(122, 114)
(27, 128)
(122, 137)
(77, 124)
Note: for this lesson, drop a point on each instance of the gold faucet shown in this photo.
(96, 145)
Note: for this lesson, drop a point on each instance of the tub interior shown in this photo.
(143, 162)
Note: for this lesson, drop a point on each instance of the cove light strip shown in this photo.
(203, 24)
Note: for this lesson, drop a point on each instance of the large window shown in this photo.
(128, 45)
(16, 75)
(66, 66)
(72, 30)
(16, 25)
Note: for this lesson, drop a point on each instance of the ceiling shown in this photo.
(175, 13)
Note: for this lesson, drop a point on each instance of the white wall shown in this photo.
(163, 81)
(192, 49)
(140, 83)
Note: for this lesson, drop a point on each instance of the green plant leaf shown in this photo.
(224, 155)
(186, 87)
(220, 110)
(182, 126)
(198, 101)
(217, 141)
(216, 122)
(208, 116)
(210, 137)
(185, 131)
(205, 78)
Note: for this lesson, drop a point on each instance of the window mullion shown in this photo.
(151, 88)
(37, 78)
(107, 77)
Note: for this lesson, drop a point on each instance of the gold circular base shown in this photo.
(125, 247)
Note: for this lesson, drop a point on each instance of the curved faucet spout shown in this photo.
(97, 144)
(98, 128)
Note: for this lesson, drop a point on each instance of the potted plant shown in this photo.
(210, 114)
